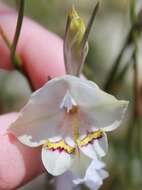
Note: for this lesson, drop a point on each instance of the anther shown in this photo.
(68, 103)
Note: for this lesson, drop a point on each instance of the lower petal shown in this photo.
(101, 145)
(56, 160)
(80, 165)
(94, 147)
(94, 176)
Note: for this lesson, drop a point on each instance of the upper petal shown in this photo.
(98, 108)
(34, 125)
(41, 117)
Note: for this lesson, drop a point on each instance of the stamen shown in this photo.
(68, 103)
(75, 125)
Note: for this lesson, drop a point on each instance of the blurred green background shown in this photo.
(108, 34)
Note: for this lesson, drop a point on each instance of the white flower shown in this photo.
(69, 117)
(94, 176)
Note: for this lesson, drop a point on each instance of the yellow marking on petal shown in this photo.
(60, 145)
(90, 137)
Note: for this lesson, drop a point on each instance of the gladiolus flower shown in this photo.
(69, 117)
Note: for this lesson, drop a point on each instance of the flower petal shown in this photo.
(42, 117)
(95, 147)
(98, 108)
(56, 162)
(94, 175)
(34, 125)
(80, 165)
(98, 166)
(101, 145)
(107, 115)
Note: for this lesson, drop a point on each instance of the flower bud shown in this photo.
(76, 28)
(73, 42)
(76, 41)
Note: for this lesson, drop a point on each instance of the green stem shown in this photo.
(116, 64)
(137, 97)
(16, 61)
(18, 64)
(123, 72)
(137, 91)
(133, 15)
(16, 57)
(17, 34)
(9, 45)
(128, 41)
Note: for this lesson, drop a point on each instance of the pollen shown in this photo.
(73, 110)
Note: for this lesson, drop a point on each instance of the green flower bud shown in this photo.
(77, 27)
(76, 41)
